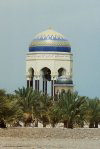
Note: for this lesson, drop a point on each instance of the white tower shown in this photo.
(49, 63)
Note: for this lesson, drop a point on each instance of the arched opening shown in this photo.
(31, 76)
(46, 79)
(31, 72)
(61, 72)
(46, 73)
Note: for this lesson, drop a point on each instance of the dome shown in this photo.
(50, 41)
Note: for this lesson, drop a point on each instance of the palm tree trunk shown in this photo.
(2, 124)
(65, 124)
(44, 124)
(70, 124)
(96, 124)
(53, 125)
(36, 122)
(82, 124)
(91, 125)
(25, 124)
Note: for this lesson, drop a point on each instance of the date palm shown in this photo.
(54, 114)
(8, 107)
(42, 108)
(25, 101)
(25, 98)
(93, 112)
(70, 107)
(29, 101)
(2, 108)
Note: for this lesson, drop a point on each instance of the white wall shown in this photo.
(51, 60)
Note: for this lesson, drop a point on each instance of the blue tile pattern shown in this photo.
(50, 40)
(49, 49)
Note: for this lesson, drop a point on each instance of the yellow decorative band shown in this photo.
(50, 43)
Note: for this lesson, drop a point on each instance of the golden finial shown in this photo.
(50, 28)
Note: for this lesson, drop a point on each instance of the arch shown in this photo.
(61, 72)
(46, 78)
(30, 77)
(31, 72)
(41, 68)
(46, 73)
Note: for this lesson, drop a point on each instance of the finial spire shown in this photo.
(50, 28)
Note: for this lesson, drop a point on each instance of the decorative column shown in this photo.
(37, 80)
(36, 85)
(44, 86)
(52, 84)
(31, 82)
(53, 79)
(28, 81)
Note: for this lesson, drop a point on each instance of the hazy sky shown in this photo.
(78, 20)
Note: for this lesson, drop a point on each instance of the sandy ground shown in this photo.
(49, 138)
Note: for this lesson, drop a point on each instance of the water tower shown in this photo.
(49, 63)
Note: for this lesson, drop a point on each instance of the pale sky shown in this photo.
(78, 20)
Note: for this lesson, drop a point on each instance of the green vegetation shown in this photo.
(28, 106)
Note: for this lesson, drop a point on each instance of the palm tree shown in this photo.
(9, 109)
(93, 112)
(29, 102)
(2, 92)
(2, 108)
(54, 114)
(25, 101)
(70, 107)
(25, 98)
(15, 113)
(42, 108)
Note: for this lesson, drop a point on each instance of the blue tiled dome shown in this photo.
(50, 41)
